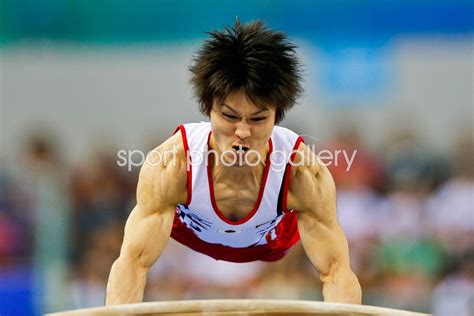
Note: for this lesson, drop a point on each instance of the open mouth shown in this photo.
(240, 148)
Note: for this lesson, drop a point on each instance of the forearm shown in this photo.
(126, 283)
(342, 287)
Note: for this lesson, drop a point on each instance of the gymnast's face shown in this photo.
(240, 130)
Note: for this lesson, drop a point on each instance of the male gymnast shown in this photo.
(238, 188)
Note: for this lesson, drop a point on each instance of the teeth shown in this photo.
(240, 149)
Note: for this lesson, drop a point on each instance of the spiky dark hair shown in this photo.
(248, 58)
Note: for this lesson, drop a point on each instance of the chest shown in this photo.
(236, 201)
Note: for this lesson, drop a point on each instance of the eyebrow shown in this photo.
(234, 111)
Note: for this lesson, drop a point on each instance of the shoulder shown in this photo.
(306, 168)
(163, 176)
(285, 135)
(310, 182)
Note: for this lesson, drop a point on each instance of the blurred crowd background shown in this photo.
(82, 80)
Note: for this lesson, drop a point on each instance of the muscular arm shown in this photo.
(312, 194)
(161, 186)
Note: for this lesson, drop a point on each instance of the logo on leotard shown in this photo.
(191, 220)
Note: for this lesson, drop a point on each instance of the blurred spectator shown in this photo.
(358, 186)
(454, 295)
(87, 288)
(16, 277)
(44, 178)
(15, 238)
(450, 211)
(358, 217)
(366, 171)
(407, 258)
(411, 165)
(102, 196)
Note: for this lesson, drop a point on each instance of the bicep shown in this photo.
(160, 188)
(146, 235)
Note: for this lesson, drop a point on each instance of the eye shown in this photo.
(229, 116)
(258, 119)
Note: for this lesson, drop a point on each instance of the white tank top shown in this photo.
(201, 215)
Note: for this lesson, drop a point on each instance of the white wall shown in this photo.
(97, 95)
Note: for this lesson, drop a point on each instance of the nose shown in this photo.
(242, 131)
